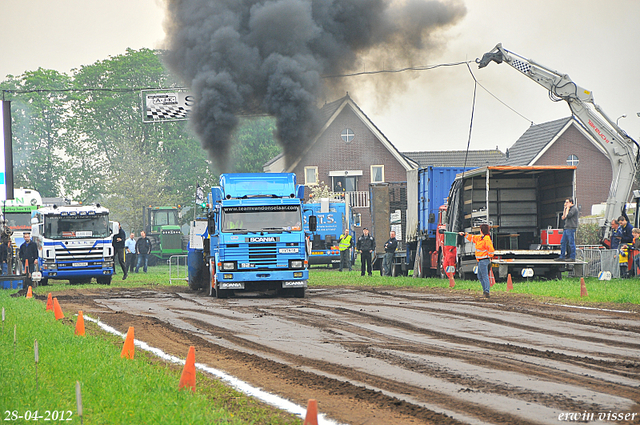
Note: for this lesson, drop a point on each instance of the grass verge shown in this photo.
(114, 390)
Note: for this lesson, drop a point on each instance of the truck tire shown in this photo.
(196, 282)
(223, 293)
(44, 282)
(105, 280)
(441, 272)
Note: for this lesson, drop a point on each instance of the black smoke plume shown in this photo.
(269, 56)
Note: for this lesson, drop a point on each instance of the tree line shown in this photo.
(81, 136)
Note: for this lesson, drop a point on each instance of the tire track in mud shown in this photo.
(565, 403)
(387, 339)
(541, 310)
(505, 364)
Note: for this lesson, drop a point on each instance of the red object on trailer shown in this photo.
(551, 237)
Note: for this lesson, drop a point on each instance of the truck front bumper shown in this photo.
(263, 279)
(71, 274)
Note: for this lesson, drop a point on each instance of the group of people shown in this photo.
(366, 245)
(127, 251)
(623, 235)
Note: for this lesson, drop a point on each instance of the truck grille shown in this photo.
(260, 254)
(67, 256)
(172, 241)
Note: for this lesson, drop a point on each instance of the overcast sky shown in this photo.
(593, 41)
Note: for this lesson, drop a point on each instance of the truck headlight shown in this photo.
(296, 264)
(228, 265)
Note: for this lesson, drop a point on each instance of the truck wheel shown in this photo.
(195, 282)
(441, 272)
(105, 280)
(553, 275)
(44, 282)
(223, 293)
(420, 268)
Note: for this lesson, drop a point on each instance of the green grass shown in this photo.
(620, 291)
(114, 390)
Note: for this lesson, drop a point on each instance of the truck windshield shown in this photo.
(18, 220)
(164, 218)
(266, 218)
(76, 227)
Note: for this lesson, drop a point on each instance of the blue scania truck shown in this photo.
(252, 239)
(332, 217)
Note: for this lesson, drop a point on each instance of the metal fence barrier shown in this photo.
(178, 269)
(598, 260)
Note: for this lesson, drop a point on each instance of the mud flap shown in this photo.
(212, 279)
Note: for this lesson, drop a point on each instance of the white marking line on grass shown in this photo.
(236, 383)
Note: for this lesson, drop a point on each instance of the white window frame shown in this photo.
(315, 173)
(573, 159)
(372, 173)
(347, 135)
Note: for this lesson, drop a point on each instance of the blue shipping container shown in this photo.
(433, 189)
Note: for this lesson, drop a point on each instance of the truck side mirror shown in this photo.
(313, 223)
(441, 231)
(432, 218)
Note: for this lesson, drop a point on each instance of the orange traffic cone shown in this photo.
(49, 302)
(29, 293)
(583, 288)
(492, 279)
(128, 350)
(80, 324)
(188, 377)
(509, 283)
(452, 282)
(312, 413)
(57, 311)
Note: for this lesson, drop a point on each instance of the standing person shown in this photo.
(366, 244)
(615, 234)
(484, 253)
(389, 251)
(344, 244)
(626, 230)
(568, 241)
(4, 256)
(130, 253)
(28, 252)
(143, 249)
(118, 248)
(636, 251)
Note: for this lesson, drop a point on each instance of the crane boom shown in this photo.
(622, 150)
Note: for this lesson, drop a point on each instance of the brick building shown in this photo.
(565, 142)
(348, 154)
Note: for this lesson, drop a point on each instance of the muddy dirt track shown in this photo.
(393, 356)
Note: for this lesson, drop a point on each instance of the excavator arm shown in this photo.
(622, 150)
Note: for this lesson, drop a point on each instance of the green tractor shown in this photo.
(163, 229)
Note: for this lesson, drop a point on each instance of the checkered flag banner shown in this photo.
(165, 106)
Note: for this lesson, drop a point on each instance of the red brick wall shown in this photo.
(331, 153)
(594, 169)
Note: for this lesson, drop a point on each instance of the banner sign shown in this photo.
(159, 106)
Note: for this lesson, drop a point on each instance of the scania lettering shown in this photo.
(252, 239)
(74, 243)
